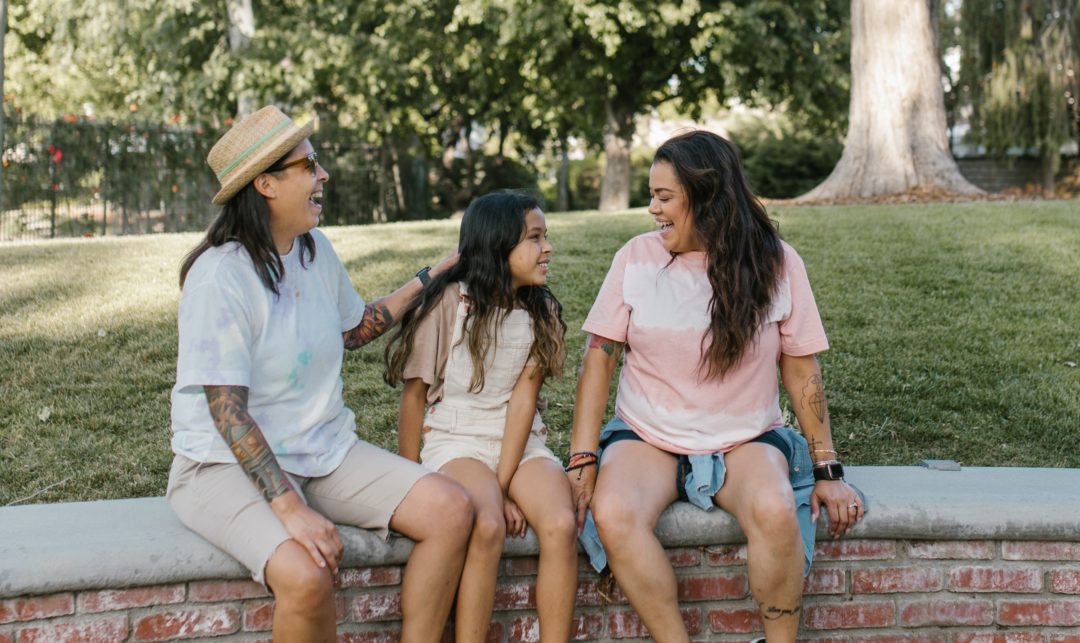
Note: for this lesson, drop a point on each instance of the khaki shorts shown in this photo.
(441, 447)
(220, 503)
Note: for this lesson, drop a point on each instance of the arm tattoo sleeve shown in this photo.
(228, 407)
(813, 397)
(376, 321)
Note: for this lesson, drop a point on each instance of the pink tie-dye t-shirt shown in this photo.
(660, 309)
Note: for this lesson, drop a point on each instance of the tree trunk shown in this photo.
(241, 31)
(1049, 165)
(897, 134)
(3, 32)
(615, 190)
(564, 176)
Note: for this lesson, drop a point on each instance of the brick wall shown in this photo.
(859, 590)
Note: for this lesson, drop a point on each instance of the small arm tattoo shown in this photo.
(603, 343)
(814, 397)
(376, 321)
(228, 408)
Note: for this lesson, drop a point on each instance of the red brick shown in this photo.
(587, 594)
(375, 606)
(585, 627)
(1012, 636)
(848, 615)
(625, 624)
(825, 581)
(521, 566)
(258, 616)
(822, 639)
(996, 579)
(369, 576)
(855, 550)
(494, 633)
(228, 590)
(97, 630)
(187, 623)
(515, 596)
(1024, 550)
(946, 613)
(735, 620)
(7, 637)
(725, 554)
(882, 580)
(1066, 581)
(1065, 638)
(955, 549)
(381, 636)
(1035, 612)
(30, 608)
(901, 638)
(684, 557)
(112, 600)
(712, 587)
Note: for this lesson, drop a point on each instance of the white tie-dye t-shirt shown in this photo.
(287, 350)
(660, 309)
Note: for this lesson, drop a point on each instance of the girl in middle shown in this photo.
(474, 349)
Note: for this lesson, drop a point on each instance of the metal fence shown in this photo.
(84, 177)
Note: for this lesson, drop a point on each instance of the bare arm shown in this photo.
(802, 379)
(411, 418)
(229, 410)
(519, 418)
(594, 381)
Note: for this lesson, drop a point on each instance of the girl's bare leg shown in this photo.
(542, 492)
(476, 592)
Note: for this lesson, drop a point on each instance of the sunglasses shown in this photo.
(312, 161)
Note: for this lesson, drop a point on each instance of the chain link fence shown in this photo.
(84, 177)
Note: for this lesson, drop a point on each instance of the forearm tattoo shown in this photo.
(228, 408)
(376, 321)
(813, 397)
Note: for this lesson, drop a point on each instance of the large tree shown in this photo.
(897, 138)
(628, 57)
(1020, 72)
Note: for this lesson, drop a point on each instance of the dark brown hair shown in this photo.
(245, 218)
(493, 224)
(745, 256)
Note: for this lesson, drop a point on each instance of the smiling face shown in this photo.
(670, 206)
(294, 196)
(530, 257)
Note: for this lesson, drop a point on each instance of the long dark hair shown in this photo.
(493, 224)
(245, 218)
(745, 256)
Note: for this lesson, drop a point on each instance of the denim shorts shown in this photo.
(621, 431)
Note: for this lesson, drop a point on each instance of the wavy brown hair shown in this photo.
(493, 224)
(745, 256)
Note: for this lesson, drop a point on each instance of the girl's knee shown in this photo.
(489, 529)
(558, 529)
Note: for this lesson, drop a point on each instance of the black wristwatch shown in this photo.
(424, 275)
(829, 470)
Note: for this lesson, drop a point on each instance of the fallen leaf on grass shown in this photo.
(45, 413)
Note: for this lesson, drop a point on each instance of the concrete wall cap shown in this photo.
(125, 543)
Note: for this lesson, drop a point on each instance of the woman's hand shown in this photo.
(582, 483)
(446, 263)
(310, 529)
(841, 501)
(515, 520)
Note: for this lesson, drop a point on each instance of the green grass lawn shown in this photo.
(955, 332)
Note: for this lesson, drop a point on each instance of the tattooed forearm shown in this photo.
(813, 397)
(376, 321)
(228, 408)
(772, 613)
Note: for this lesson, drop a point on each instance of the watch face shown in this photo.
(830, 471)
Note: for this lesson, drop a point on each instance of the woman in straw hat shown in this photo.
(267, 458)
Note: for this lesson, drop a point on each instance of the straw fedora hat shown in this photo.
(251, 146)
